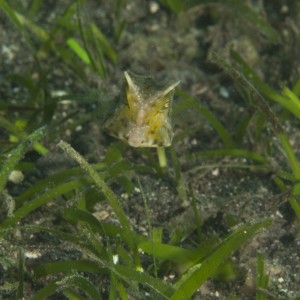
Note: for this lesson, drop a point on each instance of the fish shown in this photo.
(143, 116)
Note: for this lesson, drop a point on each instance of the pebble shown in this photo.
(16, 176)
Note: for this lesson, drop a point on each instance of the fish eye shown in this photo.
(166, 105)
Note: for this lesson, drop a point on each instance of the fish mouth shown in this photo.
(140, 137)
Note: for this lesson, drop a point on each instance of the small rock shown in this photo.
(16, 176)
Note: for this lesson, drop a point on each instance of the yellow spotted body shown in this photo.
(143, 118)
